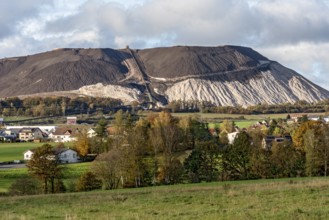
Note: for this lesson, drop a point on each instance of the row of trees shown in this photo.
(207, 107)
(161, 149)
(55, 106)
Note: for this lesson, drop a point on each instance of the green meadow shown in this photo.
(242, 121)
(71, 173)
(299, 198)
(15, 151)
(231, 116)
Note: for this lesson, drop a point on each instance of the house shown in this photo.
(9, 135)
(299, 117)
(290, 121)
(44, 128)
(296, 117)
(263, 125)
(67, 156)
(28, 154)
(12, 132)
(231, 136)
(71, 120)
(7, 138)
(313, 117)
(63, 155)
(91, 133)
(326, 119)
(31, 134)
(213, 132)
(270, 139)
(62, 135)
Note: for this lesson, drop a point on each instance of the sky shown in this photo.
(293, 32)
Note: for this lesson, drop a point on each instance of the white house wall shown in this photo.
(69, 156)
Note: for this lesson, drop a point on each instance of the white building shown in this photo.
(30, 134)
(64, 155)
(28, 154)
(231, 137)
(68, 156)
(91, 133)
(46, 129)
(62, 135)
(326, 119)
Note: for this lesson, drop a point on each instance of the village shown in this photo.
(70, 132)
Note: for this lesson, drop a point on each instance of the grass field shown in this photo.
(14, 151)
(15, 118)
(262, 199)
(240, 124)
(8, 176)
(214, 119)
(71, 174)
(231, 116)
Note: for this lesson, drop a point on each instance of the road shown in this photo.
(12, 166)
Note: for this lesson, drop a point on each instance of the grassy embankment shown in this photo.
(71, 174)
(303, 198)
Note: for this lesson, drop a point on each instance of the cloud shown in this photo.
(294, 32)
(293, 21)
(307, 58)
(13, 11)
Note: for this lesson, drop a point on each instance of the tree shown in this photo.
(88, 181)
(176, 171)
(25, 186)
(211, 162)
(185, 124)
(45, 166)
(324, 149)
(286, 161)
(193, 166)
(260, 162)
(101, 128)
(107, 168)
(298, 136)
(223, 138)
(273, 126)
(317, 150)
(310, 142)
(165, 137)
(82, 144)
(227, 126)
(6, 112)
(135, 150)
(236, 157)
(119, 122)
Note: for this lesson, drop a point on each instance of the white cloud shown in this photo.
(309, 59)
(294, 32)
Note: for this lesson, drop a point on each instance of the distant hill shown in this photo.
(224, 75)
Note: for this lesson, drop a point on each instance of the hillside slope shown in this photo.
(225, 75)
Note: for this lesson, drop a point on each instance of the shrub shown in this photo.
(88, 181)
(71, 186)
(59, 186)
(25, 186)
